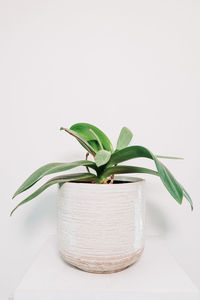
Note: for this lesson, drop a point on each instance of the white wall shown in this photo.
(111, 63)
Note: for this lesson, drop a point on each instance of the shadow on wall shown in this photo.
(157, 223)
(159, 219)
(42, 215)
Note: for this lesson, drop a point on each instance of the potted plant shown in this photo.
(101, 217)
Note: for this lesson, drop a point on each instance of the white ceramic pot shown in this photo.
(101, 226)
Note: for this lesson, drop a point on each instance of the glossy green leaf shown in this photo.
(50, 169)
(81, 140)
(102, 157)
(97, 139)
(125, 170)
(55, 180)
(124, 138)
(167, 178)
(83, 129)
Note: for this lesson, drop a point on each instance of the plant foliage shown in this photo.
(105, 165)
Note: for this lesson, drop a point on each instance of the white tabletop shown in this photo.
(155, 276)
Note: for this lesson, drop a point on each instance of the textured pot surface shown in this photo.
(101, 226)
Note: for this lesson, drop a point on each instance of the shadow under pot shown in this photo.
(100, 227)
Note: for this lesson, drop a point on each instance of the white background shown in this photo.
(111, 63)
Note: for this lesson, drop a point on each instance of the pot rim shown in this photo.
(125, 180)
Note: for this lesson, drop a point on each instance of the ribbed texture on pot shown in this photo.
(101, 227)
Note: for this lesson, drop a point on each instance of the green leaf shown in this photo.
(126, 169)
(168, 157)
(83, 129)
(167, 178)
(50, 169)
(81, 140)
(97, 139)
(187, 196)
(124, 138)
(102, 157)
(58, 179)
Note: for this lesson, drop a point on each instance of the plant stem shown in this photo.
(86, 157)
(112, 179)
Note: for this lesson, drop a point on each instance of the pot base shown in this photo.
(102, 265)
